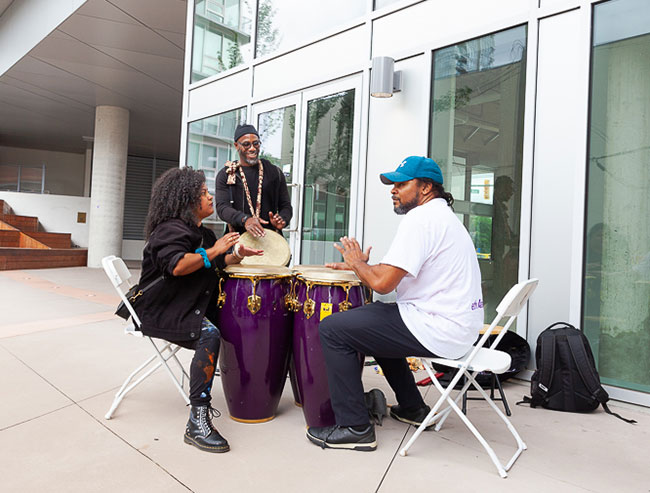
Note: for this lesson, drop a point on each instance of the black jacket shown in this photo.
(275, 196)
(174, 308)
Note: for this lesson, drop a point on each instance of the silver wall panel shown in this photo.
(334, 57)
(559, 168)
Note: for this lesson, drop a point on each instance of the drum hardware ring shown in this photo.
(309, 305)
(345, 305)
(221, 298)
(291, 299)
(254, 301)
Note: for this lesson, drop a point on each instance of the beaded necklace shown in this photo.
(256, 212)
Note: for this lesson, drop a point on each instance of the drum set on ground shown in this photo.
(269, 318)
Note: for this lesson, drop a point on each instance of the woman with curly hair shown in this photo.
(182, 257)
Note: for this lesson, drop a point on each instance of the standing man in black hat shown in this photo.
(252, 193)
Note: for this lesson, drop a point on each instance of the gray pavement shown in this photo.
(63, 355)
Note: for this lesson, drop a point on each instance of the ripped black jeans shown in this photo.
(206, 352)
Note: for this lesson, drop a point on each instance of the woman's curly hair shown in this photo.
(175, 195)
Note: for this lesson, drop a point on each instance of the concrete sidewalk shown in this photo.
(63, 355)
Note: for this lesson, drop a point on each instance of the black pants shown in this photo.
(375, 330)
(206, 352)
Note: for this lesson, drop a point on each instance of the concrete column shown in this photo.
(88, 162)
(108, 183)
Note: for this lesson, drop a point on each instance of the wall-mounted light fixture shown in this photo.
(384, 81)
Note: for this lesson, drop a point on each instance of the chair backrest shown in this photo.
(510, 306)
(516, 298)
(119, 274)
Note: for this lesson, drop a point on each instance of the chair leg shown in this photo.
(163, 359)
(126, 388)
(521, 446)
(506, 407)
(445, 396)
(129, 384)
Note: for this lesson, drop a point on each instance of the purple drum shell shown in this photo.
(255, 348)
(311, 373)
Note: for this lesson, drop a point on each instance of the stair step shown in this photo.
(4, 208)
(18, 239)
(23, 223)
(52, 240)
(6, 227)
(35, 258)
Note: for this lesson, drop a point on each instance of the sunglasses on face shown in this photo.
(246, 145)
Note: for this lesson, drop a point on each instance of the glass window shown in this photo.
(210, 144)
(616, 308)
(283, 24)
(477, 138)
(222, 35)
(328, 171)
(277, 130)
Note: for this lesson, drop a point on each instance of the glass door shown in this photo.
(277, 122)
(330, 150)
(313, 137)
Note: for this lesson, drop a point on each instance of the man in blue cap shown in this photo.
(432, 265)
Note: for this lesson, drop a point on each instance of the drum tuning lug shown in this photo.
(344, 306)
(254, 304)
(221, 300)
(308, 308)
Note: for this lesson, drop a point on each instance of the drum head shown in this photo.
(260, 270)
(276, 249)
(300, 268)
(327, 275)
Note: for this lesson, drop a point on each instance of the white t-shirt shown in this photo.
(440, 298)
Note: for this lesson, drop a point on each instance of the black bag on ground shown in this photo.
(566, 378)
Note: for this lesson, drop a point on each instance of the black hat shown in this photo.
(245, 129)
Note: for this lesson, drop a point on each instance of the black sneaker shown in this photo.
(343, 437)
(414, 418)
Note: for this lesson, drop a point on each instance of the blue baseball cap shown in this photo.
(413, 167)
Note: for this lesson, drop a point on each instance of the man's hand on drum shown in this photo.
(276, 221)
(254, 226)
(352, 253)
(223, 244)
(245, 251)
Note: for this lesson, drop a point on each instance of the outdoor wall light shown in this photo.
(384, 81)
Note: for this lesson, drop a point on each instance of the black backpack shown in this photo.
(566, 378)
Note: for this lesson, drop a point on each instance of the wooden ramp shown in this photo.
(23, 246)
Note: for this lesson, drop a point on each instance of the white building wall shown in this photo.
(555, 124)
(56, 213)
(64, 171)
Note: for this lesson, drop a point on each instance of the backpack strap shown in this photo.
(547, 366)
(586, 370)
(589, 376)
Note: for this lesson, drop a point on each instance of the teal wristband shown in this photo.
(206, 261)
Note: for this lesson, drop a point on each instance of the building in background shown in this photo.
(534, 109)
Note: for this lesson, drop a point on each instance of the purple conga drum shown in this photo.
(318, 293)
(256, 338)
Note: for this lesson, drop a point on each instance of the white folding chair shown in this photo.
(120, 276)
(476, 360)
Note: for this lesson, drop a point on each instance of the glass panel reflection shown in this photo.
(222, 35)
(283, 24)
(477, 138)
(277, 130)
(210, 145)
(328, 169)
(616, 310)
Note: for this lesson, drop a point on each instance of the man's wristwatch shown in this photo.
(246, 218)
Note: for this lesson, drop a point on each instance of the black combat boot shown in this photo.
(202, 434)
